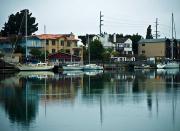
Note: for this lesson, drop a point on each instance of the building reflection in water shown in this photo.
(22, 93)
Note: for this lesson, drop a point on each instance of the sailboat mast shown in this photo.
(89, 49)
(26, 31)
(45, 44)
(172, 42)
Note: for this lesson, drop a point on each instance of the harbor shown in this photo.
(89, 65)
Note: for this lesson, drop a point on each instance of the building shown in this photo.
(158, 48)
(52, 43)
(124, 47)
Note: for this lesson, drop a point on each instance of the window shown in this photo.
(53, 50)
(75, 44)
(47, 42)
(53, 42)
(143, 44)
(143, 51)
(68, 43)
(62, 43)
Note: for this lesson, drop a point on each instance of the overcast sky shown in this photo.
(82, 16)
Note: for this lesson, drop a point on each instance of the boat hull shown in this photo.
(34, 68)
(92, 67)
(168, 66)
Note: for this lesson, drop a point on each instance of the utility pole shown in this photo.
(172, 42)
(157, 35)
(100, 25)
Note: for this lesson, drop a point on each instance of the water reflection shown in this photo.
(25, 95)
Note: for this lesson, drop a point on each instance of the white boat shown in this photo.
(72, 67)
(92, 67)
(143, 66)
(168, 65)
(35, 67)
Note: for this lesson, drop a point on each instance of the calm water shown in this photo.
(141, 100)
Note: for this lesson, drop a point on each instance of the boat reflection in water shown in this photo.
(136, 100)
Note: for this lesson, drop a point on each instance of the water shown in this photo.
(141, 100)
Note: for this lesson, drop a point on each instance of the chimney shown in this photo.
(114, 38)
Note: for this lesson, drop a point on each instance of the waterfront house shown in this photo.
(5, 45)
(124, 47)
(54, 43)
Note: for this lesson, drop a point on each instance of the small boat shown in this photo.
(92, 67)
(73, 67)
(35, 67)
(168, 65)
(143, 66)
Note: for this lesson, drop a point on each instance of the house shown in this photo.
(106, 41)
(159, 48)
(5, 45)
(53, 43)
(124, 47)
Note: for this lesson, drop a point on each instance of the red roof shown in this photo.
(49, 36)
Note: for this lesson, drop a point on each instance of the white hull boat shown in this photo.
(35, 67)
(168, 65)
(73, 67)
(92, 67)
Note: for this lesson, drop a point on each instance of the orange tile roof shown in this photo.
(49, 36)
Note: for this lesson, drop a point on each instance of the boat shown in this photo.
(170, 64)
(143, 66)
(91, 66)
(72, 67)
(30, 66)
(35, 67)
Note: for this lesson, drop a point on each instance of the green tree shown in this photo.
(135, 39)
(36, 53)
(149, 33)
(115, 53)
(96, 50)
(16, 24)
(14, 28)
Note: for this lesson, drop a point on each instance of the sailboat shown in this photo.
(72, 66)
(91, 66)
(169, 64)
(30, 66)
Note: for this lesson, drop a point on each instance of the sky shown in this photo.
(82, 16)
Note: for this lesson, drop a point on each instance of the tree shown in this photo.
(96, 50)
(149, 33)
(135, 39)
(16, 24)
(36, 52)
(14, 29)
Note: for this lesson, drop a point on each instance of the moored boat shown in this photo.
(92, 67)
(35, 67)
(72, 67)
